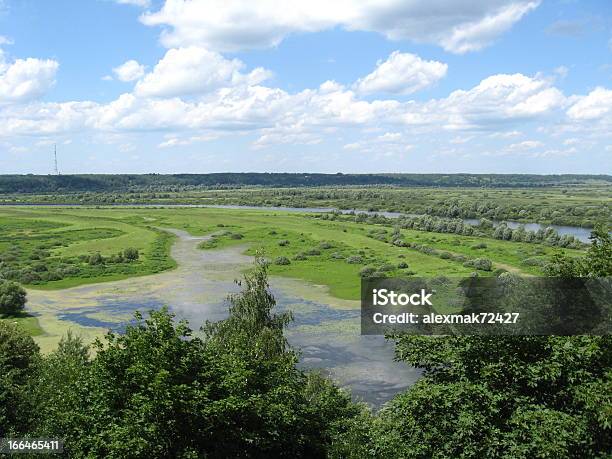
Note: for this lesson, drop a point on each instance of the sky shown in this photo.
(352, 86)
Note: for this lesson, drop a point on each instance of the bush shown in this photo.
(313, 252)
(402, 265)
(236, 236)
(386, 267)
(300, 257)
(534, 261)
(354, 260)
(96, 259)
(325, 245)
(282, 261)
(367, 271)
(445, 255)
(480, 245)
(337, 256)
(484, 264)
(283, 242)
(12, 298)
(131, 254)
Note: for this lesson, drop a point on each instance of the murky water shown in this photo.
(325, 329)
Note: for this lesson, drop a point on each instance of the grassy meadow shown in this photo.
(55, 245)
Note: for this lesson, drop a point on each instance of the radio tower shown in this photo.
(55, 159)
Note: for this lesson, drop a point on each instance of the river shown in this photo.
(326, 330)
(582, 234)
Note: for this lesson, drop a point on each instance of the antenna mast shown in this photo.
(55, 159)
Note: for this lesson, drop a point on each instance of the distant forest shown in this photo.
(125, 182)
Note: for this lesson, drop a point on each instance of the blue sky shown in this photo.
(504, 86)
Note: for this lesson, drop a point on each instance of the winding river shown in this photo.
(326, 330)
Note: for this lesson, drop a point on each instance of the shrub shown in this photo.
(402, 265)
(300, 257)
(445, 255)
(313, 252)
(12, 298)
(337, 256)
(484, 264)
(96, 259)
(131, 254)
(480, 245)
(534, 261)
(236, 236)
(367, 271)
(282, 261)
(354, 260)
(386, 267)
(283, 242)
(325, 245)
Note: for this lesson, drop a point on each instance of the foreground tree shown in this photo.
(503, 396)
(19, 360)
(12, 298)
(159, 391)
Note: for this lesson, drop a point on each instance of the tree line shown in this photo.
(123, 182)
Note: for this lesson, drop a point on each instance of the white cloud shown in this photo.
(476, 35)
(129, 71)
(25, 79)
(141, 3)
(401, 73)
(497, 99)
(526, 145)
(5, 40)
(231, 25)
(595, 105)
(193, 70)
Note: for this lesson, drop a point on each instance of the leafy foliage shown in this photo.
(12, 298)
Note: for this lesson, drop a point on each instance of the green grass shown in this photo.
(68, 233)
(27, 322)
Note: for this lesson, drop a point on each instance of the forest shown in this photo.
(167, 182)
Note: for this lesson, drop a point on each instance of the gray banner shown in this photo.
(504, 305)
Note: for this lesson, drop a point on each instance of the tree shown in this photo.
(158, 391)
(505, 396)
(12, 298)
(597, 262)
(19, 357)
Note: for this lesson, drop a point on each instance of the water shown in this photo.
(582, 234)
(326, 330)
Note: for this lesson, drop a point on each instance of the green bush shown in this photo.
(12, 298)
(131, 254)
(282, 261)
(354, 260)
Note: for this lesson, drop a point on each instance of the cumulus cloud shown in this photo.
(194, 70)
(231, 25)
(129, 71)
(595, 105)
(401, 73)
(25, 79)
(500, 100)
